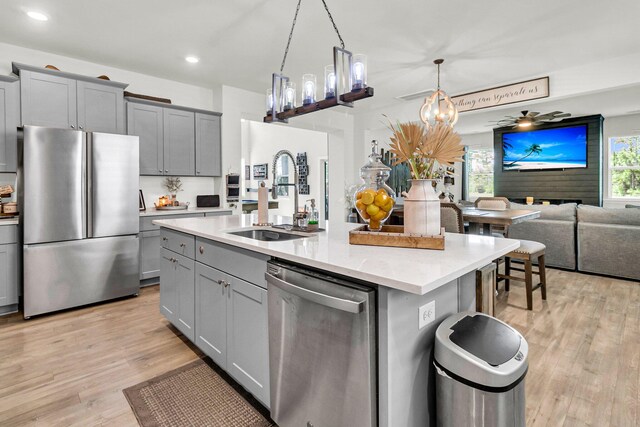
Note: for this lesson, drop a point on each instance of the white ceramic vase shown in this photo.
(422, 208)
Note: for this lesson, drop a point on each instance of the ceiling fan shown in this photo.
(529, 118)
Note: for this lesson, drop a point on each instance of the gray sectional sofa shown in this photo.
(556, 228)
(609, 241)
(593, 239)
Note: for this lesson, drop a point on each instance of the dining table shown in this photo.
(483, 219)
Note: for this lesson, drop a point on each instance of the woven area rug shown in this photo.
(194, 395)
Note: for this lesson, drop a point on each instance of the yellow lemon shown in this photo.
(360, 206)
(372, 210)
(379, 216)
(389, 205)
(367, 197)
(374, 225)
(383, 191)
(364, 214)
(381, 199)
(359, 195)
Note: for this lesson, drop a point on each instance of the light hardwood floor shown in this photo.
(69, 369)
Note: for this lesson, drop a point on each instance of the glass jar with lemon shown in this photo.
(374, 199)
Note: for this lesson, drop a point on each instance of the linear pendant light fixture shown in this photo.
(344, 82)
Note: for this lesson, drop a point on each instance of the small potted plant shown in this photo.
(173, 185)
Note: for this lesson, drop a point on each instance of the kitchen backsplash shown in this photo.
(153, 187)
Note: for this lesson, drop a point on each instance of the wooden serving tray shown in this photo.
(394, 236)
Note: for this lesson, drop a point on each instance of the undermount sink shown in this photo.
(267, 235)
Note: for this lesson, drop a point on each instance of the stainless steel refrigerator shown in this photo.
(78, 200)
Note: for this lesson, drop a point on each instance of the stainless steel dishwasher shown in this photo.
(322, 349)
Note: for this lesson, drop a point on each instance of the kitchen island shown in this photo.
(406, 281)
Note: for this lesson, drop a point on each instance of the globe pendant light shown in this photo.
(438, 108)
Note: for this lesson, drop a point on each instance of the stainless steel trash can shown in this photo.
(481, 364)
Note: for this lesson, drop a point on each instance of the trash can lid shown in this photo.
(481, 349)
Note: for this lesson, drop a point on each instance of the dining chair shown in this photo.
(497, 204)
(451, 218)
(493, 203)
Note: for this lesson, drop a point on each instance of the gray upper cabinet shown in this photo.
(146, 121)
(175, 140)
(208, 145)
(65, 100)
(9, 121)
(48, 100)
(100, 108)
(179, 142)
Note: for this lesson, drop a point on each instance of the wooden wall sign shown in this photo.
(502, 95)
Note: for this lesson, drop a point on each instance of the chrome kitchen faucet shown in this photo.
(297, 217)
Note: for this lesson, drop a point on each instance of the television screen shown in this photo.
(557, 148)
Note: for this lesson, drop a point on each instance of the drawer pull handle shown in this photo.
(182, 245)
(164, 239)
(201, 249)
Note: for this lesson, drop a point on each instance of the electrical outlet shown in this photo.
(427, 314)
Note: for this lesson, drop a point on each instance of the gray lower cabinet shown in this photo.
(208, 145)
(100, 108)
(64, 100)
(231, 323)
(211, 313)
(179, 142)
(168, 286)
(149, 254)
(146, 121)
(185, 279)
(247, 338)
(177, 293)
(8, 278)
(9, 121)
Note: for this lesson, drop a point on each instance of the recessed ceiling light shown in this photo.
(38, 16)
(192, 59)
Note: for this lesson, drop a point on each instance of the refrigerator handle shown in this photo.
(87, 184)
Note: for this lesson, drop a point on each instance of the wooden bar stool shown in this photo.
(527, 252)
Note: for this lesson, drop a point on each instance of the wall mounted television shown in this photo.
(543, 149)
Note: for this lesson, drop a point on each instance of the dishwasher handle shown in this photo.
(317, 297)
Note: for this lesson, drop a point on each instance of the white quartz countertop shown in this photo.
(155, 212)
(417, 271)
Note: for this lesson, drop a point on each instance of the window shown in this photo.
(283, 175)
(479, 167)
(624, 166)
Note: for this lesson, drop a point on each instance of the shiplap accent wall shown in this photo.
(569, 184)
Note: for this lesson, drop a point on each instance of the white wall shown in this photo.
(264, 140)
(179, 93)
(617, 126)
(238, 104)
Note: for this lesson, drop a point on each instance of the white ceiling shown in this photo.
(241, 42)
